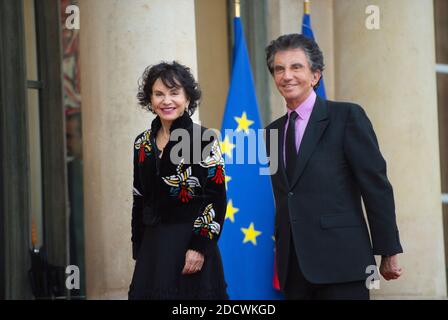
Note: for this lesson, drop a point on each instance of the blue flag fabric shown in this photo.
(247, 243)
(307, 31)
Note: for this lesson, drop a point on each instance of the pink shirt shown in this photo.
(304, 112)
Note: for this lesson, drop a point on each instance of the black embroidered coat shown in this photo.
(179, 203)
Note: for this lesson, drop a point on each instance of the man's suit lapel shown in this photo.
(317, 124)
(281, 160)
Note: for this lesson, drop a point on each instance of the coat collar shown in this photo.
(184, 122)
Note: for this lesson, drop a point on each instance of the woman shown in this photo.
(179, 199)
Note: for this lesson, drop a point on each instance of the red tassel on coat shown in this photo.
(141, 154)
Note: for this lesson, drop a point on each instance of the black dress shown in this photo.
(178, 204)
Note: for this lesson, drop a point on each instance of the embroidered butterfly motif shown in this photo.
(204, 225)
(215, 164)
(183, 183)
(143, 144)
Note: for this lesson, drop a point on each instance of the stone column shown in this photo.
(391, 73)
(118, 39)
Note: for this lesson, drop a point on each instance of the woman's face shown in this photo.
(168, 103)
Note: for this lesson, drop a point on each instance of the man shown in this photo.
(328, 160)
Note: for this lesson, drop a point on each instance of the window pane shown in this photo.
(441, 29)
(35, 168)
(442, 96)
(30, 40)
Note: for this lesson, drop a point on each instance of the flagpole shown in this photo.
(306, 6)
(237, 8)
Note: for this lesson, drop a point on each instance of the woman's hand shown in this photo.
(193, 262)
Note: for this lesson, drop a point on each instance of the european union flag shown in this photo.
(247, 243)
(308, 32)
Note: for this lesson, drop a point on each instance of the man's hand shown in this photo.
(193, 262)
(389, 268)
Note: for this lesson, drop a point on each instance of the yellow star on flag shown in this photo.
(243, 123)
(227, 179)
(231, 210)
(227, 147)
(250, 234)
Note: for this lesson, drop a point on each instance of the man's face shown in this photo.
(293, 76)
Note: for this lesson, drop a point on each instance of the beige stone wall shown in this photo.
(213, 59)
(390, 72)
(118, 40)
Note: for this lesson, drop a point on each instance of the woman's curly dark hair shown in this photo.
(172, 75)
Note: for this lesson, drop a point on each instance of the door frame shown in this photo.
(14, 145)
(15, 203)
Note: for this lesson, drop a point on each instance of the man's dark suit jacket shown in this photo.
(339, 162)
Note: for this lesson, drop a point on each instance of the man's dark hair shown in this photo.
(296, 41)
(173, 75)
